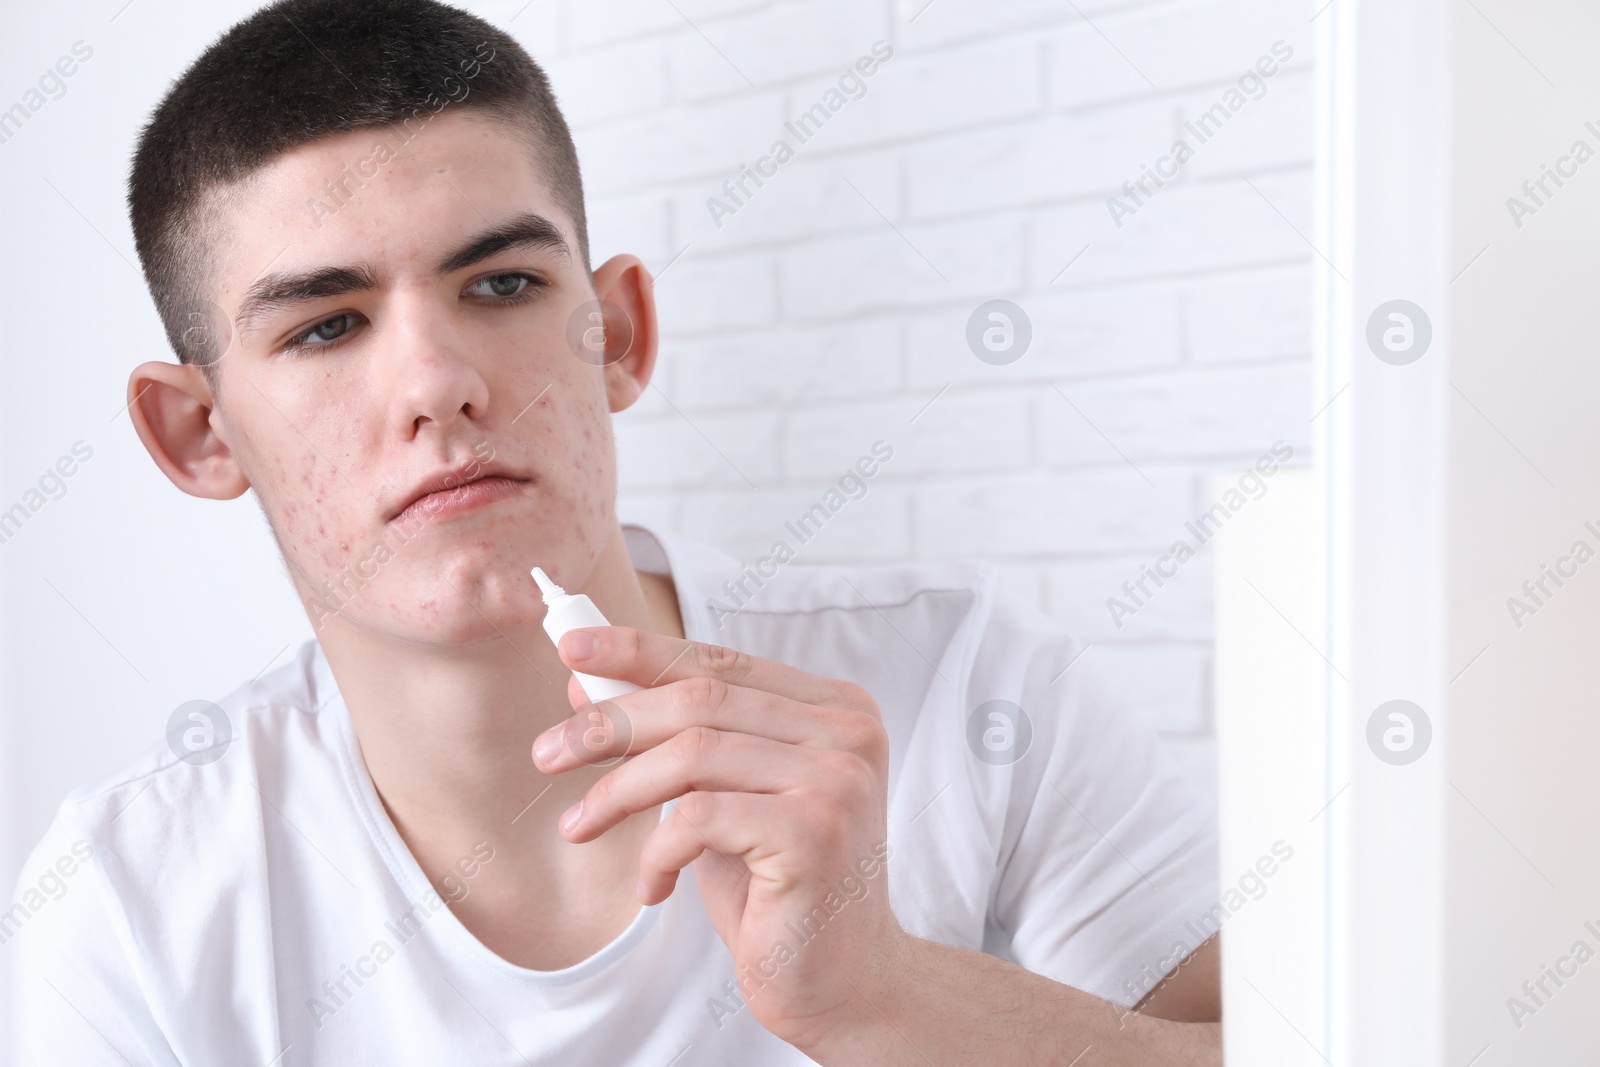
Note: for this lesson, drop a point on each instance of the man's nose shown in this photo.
(434, 374)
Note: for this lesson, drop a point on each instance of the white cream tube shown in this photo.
(568, 611)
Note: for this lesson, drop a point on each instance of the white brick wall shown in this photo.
(830, 308)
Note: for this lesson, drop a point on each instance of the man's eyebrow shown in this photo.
(274, 291)
(521, 231)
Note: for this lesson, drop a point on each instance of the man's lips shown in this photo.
(456, 489)
(461, 498)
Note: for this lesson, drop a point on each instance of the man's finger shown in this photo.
(739, 826)
(636, 722)
(705, 760)
(651, 659)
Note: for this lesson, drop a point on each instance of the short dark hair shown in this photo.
(299, 70)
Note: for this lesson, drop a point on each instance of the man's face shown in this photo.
(414, 359)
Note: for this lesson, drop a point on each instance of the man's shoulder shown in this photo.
(782, 583)
(900, 628)
(210, 755)
(956, 615)
(784, 591)
(140, 871)
(884, 613)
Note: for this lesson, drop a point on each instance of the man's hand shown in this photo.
(783, 780)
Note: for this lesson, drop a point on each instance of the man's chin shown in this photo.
(466, 594)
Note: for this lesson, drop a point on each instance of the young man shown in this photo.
(871, 816)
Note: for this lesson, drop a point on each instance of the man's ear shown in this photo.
(625, 288)
(175, 415)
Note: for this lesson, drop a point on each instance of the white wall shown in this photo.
(830, 309)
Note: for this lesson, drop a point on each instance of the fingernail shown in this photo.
(547, 745)
(573, 814)
(580, 645)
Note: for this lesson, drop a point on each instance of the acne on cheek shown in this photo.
(592, 502)
(302, 507)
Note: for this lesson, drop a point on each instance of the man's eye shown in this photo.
(323, 332)
(501, 285)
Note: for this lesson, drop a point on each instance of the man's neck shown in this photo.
(446, 733)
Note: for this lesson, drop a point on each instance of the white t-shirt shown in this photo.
(262, 908)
